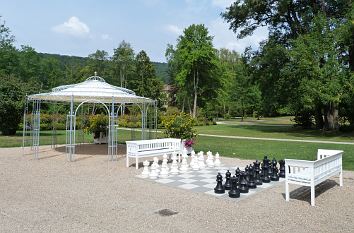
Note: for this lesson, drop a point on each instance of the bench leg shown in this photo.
(313, 195)
(286, 191)
(136, 163)
(341, 178)
(127, 161)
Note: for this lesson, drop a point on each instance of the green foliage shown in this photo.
(179, 126)
(96, 124)
(12, 96)
(123, 63)
(194, 66)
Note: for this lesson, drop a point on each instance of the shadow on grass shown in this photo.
(303, 193)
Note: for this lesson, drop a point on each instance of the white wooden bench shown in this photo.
(311, 173)
(149, 148)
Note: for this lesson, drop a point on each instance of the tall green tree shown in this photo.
(321, 75)
(8, 53)
(145, 82)
(196, 64)
(98, 62)
(123, 62)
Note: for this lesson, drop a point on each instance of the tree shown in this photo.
(195, 62)
(98, 62)
(12, 95)
(145, 82)
(320, 73)
(8, 52)
(123, 62)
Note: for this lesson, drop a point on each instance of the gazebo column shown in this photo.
(112, 133)
(143, 120)
(36, 127)
(70, 132)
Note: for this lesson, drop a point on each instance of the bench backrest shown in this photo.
(322, 153)
(154, 144)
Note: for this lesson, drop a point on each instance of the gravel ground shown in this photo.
(93, 194)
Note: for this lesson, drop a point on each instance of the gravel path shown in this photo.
(93, 194)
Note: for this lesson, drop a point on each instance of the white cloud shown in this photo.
(225, 38)
(174, 29)
(73, 27)
(222, 3)
(106, 37)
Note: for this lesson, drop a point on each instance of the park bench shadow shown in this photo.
(303, 193)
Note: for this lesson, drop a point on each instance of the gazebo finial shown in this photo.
(95, 73)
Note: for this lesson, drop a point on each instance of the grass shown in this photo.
(241, 148)
(256, 149)
(271, 131)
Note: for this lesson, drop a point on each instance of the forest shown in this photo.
(304, 69)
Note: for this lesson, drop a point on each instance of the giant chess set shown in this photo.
(198, 174)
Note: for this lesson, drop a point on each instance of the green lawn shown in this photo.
(241, 148)
(271, 131)
(256, 149)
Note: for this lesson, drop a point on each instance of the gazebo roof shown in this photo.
(93, 89)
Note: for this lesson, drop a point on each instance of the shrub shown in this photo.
(179, 126)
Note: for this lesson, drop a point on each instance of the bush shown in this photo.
(179, 126)
(96, 124)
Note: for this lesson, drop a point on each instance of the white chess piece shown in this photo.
(217, 162)
(156, 165)
(174, 165)
(145, 173)
(164, 169)
(210, 160)
(153, 174)
(194, 163)
(184, 164)
(201, 160)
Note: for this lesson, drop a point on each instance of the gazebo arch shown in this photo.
(93, 90)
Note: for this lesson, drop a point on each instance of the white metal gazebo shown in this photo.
(94, 90)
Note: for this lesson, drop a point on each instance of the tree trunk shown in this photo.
(319, 118)
(331, 117)
(196, 80)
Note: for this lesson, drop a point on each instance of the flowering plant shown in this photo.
(188, 143)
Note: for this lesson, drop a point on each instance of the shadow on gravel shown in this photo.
(303, 193)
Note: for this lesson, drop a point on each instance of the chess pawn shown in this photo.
(174, 165)
(251, 182)
(257, 170)
(227, 184)
(195, 164)
(210, 160)
(145, 173)
(265, 177)
(270, 169)
(237, 173)
(219, 188)
(274, 176)
(153, 174)
(217, 160)
(184, 165)
(234, 192)
(243, 183)
(201, 160)
(164, 170)
(282, 168)
(164, 158)
(156, 164)
(246, 173)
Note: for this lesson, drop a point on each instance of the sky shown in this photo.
(80, 27)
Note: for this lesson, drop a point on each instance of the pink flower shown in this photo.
(188, 143)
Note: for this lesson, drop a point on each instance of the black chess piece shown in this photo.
(243, 183)
(257, 171)
(219, 188)
(237, 173)
(234, 192)
(270, 168)
(246, 172)
(251, 182)
(274, 176)
(227, 184)
(265, 177)
(282, 168)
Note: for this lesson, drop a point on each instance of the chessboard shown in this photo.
(204, 181)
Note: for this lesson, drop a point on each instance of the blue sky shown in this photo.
(80, 27)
